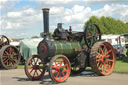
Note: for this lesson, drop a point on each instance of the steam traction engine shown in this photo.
(9, 55)
(66, 52)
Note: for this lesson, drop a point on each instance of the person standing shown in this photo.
(118, 52)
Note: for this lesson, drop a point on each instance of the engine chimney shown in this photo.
(46, 19)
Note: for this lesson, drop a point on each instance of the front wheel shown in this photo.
(34, 68)
(59, 68)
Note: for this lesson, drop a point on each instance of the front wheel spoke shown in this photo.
(61, 62)
(55, 67)
(62, 73)
(55, 63)
(59, 77)
(65, 65)
(57, 74)
(54, 72)
(65, 70)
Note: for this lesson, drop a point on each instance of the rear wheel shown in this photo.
(102, 58)
(59, 68)
(34, 68)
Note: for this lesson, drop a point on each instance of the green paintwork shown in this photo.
(67, 48)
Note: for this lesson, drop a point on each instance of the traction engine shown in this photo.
(68, 52)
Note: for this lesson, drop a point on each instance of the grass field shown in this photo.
(121, 65)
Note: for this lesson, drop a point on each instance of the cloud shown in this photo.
(50, 3)
(96, 2)
(27, 21)
(20, 19)
(121, 11)
(7, 5)
(3, 3)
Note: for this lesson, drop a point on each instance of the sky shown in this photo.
(24, 19)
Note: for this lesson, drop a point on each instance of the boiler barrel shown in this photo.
(51, 48)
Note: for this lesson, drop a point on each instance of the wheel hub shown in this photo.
(61, 69)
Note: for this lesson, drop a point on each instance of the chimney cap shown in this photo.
(45, 9)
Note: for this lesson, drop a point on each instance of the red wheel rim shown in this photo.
(60, 69)
(105, 59)
(35, 68)
(10, 57)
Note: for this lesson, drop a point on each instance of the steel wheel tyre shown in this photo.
(59, 68)
(34, 68)
(9, 57)
(102, 58)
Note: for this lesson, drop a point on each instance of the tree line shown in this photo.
(109, 25)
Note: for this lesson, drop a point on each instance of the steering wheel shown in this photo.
(92, 34)
(4, 40)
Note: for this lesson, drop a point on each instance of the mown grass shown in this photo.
(20, 66)
(121, 65)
